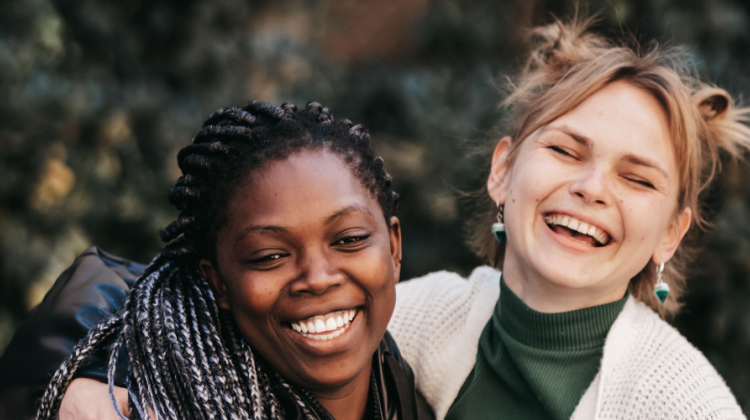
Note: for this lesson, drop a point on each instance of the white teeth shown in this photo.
(333, 323)
(325, 337)
(574, 224)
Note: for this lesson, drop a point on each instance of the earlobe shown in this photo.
(395, 242)
(496, 182)
(216, 283)
(676, 231)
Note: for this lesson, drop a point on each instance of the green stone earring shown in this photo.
(661, 289)
(498, 228)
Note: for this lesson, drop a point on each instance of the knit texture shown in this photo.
(648, 370)
(534, 365)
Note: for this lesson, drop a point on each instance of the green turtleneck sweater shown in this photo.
(534, 365)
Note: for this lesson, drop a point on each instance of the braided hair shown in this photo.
(187, 357)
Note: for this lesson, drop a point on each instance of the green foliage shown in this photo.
(99, 96)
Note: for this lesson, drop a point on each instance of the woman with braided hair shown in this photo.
(272, 295)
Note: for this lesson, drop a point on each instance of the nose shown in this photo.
(318, 275)
(591, 186)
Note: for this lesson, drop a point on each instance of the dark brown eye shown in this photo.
(350, 240)
(267, 259)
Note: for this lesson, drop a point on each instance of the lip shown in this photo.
(572, 243)
(332, 346)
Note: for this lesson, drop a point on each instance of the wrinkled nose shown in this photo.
(592, 186)
(318, 275)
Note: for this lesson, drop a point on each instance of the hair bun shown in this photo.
(712, 103)
(562, 46)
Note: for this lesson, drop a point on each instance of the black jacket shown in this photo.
(93, 289)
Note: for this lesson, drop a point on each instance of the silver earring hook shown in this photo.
(659, 270)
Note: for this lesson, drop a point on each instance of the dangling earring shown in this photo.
(661, 289)
(498, 228)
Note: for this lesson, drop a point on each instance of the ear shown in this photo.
(395, 234)
(676, 230)
(497, 181)
(218, 287)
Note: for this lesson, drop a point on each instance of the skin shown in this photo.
(89, 399)
(609, 162)
(304, 238)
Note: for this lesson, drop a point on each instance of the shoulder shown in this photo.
(92, 289)
(445, 287)
(443, 297)
(649, 367)
(437, 323)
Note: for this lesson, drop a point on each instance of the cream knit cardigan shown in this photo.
(648, 371)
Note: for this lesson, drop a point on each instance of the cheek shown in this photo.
(539, 174)
(252, 298)
(377, 276)
(645, 218)
(528, 186)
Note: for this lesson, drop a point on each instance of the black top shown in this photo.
(93, 289)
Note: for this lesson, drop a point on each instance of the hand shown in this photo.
(88, 399)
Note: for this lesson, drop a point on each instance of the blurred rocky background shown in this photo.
(96, 98)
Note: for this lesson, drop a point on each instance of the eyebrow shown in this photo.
(579, 138)
(631, 158)
(639, 160)
(263, 230)
(354, 208)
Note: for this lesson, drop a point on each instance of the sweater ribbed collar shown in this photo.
(574, 330)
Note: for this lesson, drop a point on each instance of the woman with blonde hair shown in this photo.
(592, 193)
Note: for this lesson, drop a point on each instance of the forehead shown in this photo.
(302, 188)
(622, 119)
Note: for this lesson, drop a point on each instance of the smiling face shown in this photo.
(308, 265)
(589, 200)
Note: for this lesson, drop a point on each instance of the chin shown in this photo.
(331, 377)
(574, 275)
(567, 282)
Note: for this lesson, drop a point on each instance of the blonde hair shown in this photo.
(567, 65)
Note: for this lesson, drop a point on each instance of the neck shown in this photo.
(544, 295)
(348, 402)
